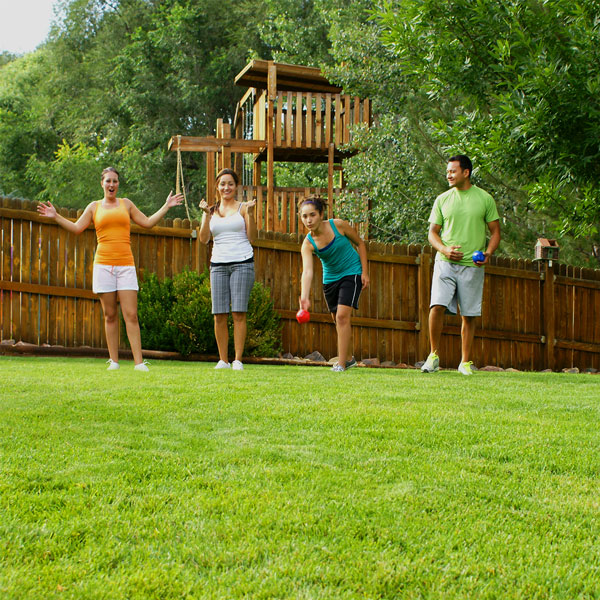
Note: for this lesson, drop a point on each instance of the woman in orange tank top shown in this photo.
(114, 268)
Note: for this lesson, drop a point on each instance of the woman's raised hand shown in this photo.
(47, 210)
(174, 200)
(204, 206)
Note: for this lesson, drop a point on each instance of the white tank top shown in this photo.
(230, 242)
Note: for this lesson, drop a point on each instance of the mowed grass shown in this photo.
(296, 482)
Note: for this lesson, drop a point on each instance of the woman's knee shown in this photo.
(130, 316)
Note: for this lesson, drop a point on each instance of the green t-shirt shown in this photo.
(463, 217)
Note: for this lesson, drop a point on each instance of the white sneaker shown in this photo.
(223, 365)
(465, 368)
(112, 365)
(432, 364)
(143, 366)
(237, 365)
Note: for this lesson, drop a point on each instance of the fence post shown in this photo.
(548, 314)
(424, 284)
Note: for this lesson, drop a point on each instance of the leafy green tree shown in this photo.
(514, 85)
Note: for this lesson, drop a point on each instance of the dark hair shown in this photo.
(319, 203)
(109, 170)
(215, 207)
(464, 161)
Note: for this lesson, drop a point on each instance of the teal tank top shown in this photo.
(339, 258)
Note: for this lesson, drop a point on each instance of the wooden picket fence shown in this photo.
(534, 316)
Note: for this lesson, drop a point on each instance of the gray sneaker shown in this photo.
(432, 364)
(351, 363)
(337, 368)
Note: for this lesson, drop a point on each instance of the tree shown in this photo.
(514, 85)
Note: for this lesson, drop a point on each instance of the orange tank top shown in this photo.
(112, 230)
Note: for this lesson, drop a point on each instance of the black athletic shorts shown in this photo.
(344, 291)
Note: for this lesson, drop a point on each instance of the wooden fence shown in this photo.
(534, 316)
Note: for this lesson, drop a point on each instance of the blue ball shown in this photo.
(478, 256)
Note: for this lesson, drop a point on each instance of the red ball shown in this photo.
(303, 316)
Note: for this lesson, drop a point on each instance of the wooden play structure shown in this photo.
(289, 113)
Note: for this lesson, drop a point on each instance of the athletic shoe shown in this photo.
(143, 366)
(112, 365)
(351, 363)
(237, 365)
(465, 368)
(337, 368)
(223, 365)
(432, 364)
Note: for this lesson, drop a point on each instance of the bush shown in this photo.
(264, 324)
(177, 315)
(155, 300)
(191, 314)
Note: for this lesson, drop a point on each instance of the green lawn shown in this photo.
(296, 482)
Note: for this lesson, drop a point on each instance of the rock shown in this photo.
(590, 370)
(571, 370)
(547, 371)
(388, 363)
(511, 370)
(288, 355)
(371, 362)
(333, 361)
(419, 364)
(491, 368)
(402, 366)
(315, 356)
(8, 342)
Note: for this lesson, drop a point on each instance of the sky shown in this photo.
(24, 24)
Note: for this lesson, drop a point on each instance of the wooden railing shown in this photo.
(534, 316)
(282, 217)
(306, 120)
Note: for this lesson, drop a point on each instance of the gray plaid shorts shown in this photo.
(230, 286)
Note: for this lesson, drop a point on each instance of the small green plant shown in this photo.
(191, 317)
(155, 301)
(264, 324)
(176, 315)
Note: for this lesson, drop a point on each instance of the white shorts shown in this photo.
(107, 278)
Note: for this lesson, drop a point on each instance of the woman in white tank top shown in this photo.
(232, 225)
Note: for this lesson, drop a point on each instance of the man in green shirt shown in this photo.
(458, 223)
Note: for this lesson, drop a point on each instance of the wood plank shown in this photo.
(15, 275)
(366, 111)
(50, 290)
(308, 141)
(299, 120)
(278, 118)
(318, 121)
(217, 144)
(356, 110)
(28, 329)
(339, 121)
(347, 119)
(287, 142)
(328, 137)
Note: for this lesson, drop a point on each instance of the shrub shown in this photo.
(264, 324)
(191, 314)
(155, 301)
(177, 315)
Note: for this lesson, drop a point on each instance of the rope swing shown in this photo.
(180, 183)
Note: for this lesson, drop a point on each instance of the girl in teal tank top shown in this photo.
(345, 271)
